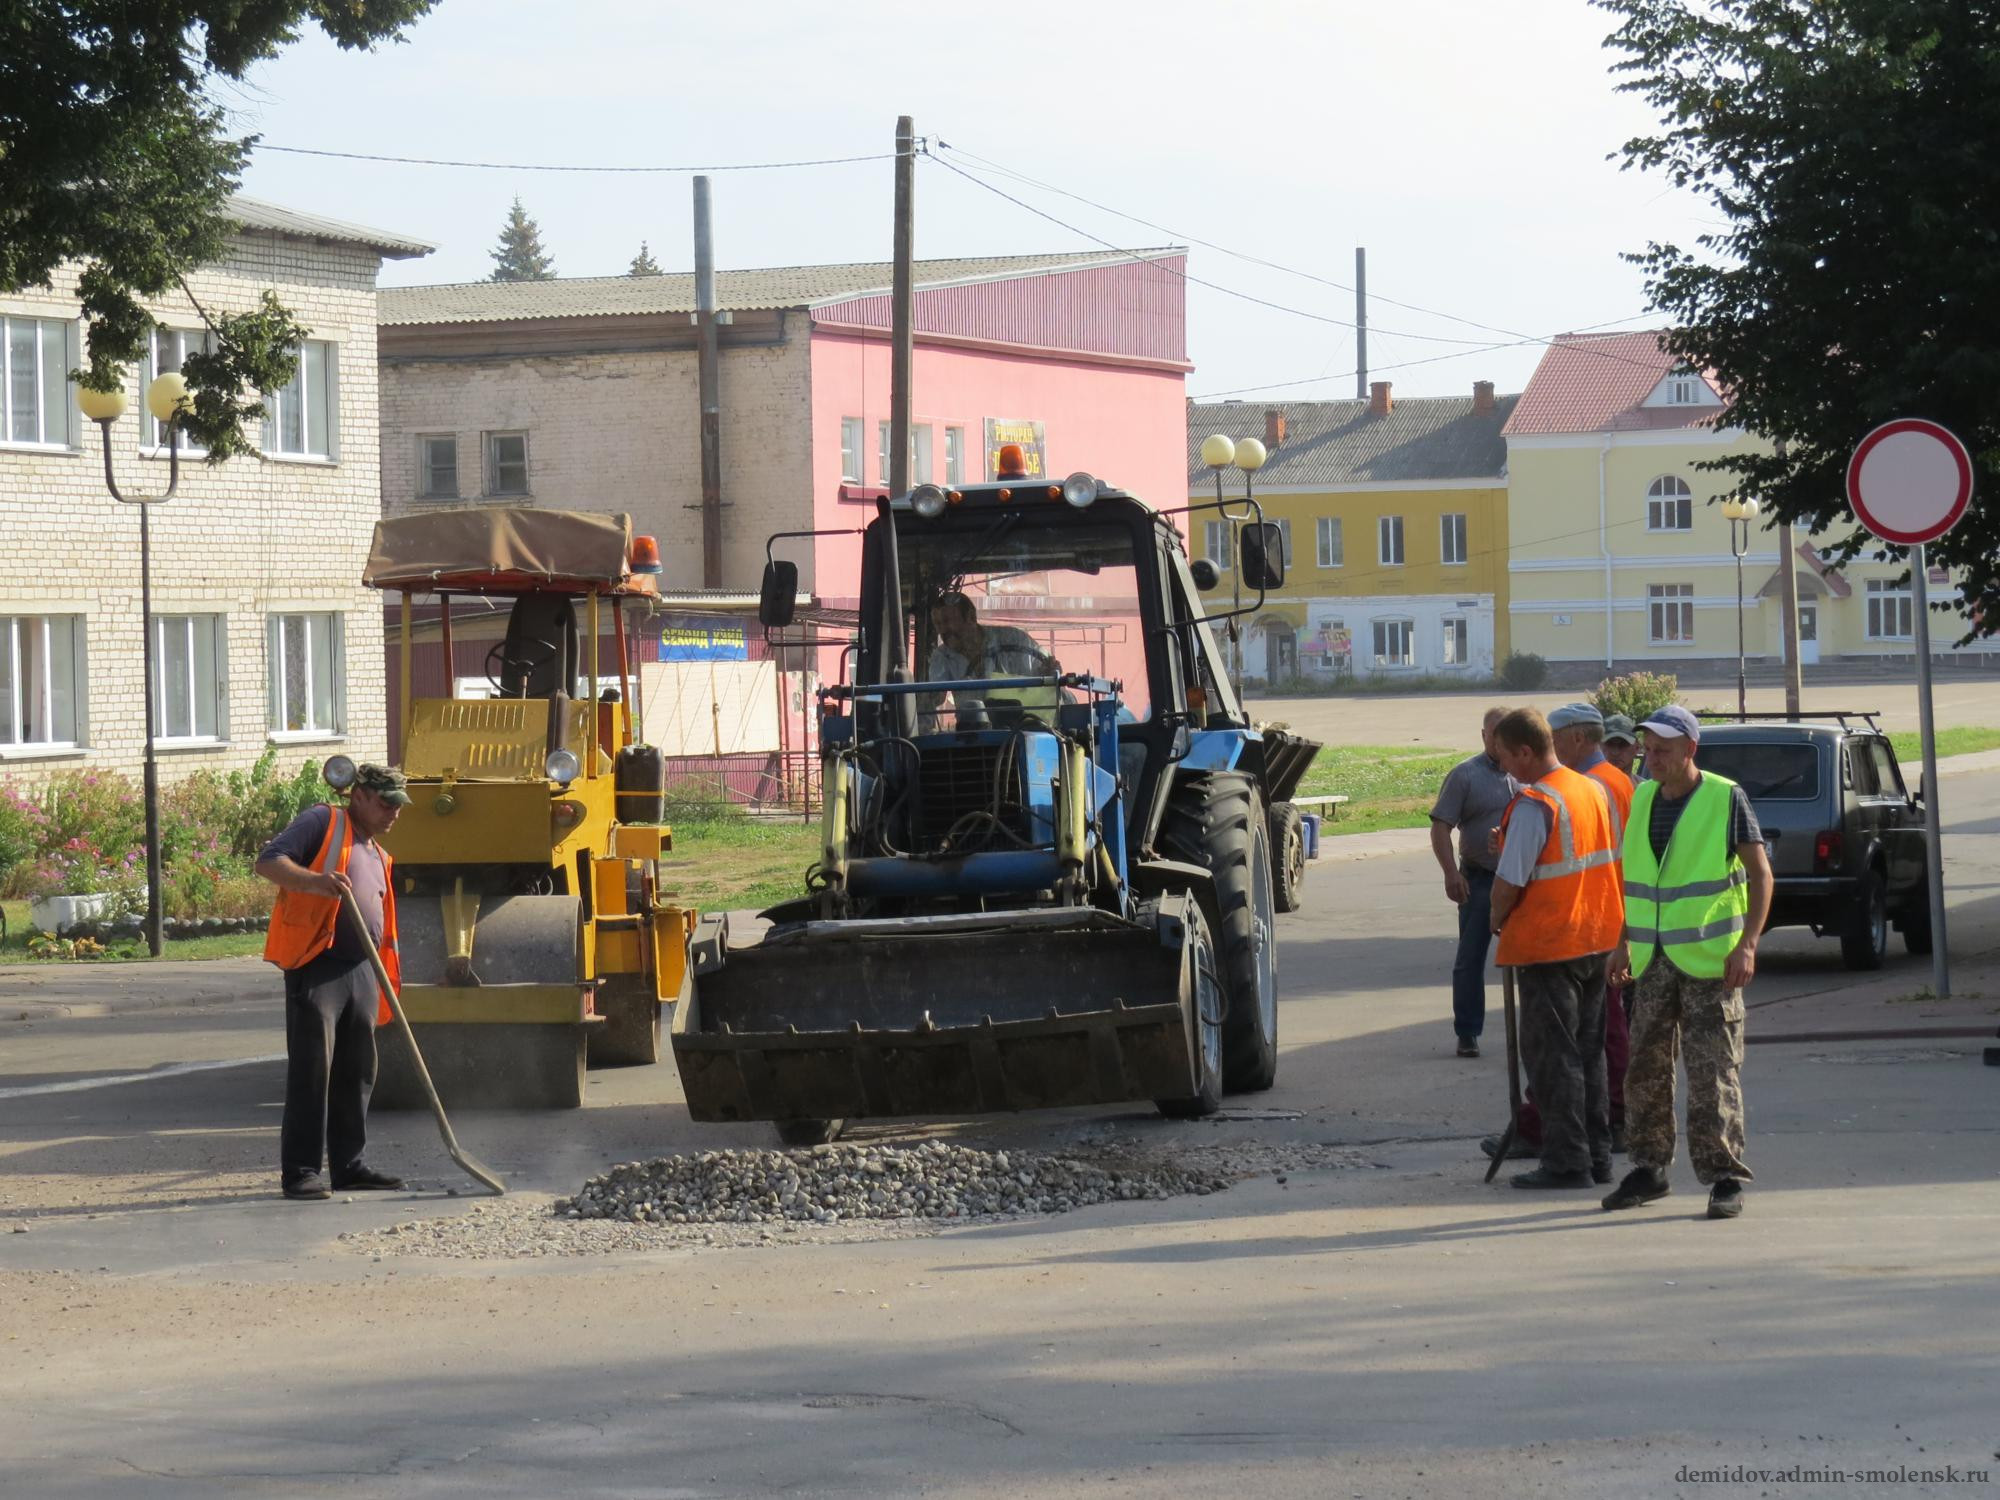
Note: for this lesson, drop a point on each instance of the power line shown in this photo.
(505, 166)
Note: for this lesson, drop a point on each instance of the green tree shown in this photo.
(1852, 151)
(519, 255)
(114, 156)
(643, 263)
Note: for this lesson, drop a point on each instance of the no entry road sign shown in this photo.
(1909, 481)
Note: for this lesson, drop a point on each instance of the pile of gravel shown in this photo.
(828, 1184)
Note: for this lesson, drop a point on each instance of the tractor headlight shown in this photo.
(338, 772)
(928, 501)
(1080, 489)
(562, 767)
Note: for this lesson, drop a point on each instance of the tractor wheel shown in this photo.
(1209, 1010)
(1288, 856)
(810, 1132)
(1217, 820)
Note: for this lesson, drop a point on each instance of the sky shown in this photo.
(1467, 144)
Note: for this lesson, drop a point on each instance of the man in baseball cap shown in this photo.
(1621, 743)
(1674, 723)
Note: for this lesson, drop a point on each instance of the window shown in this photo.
(506, 463)
(954, 456)
(187, 677)
(1782, 773)
(882, 454)
(1456, 641)
(850, 451)
(305, 673)
(40, 661)
(1891, 615)
(170, 347)
(1684, 390)
(920, 445)
(1393, 643)
(1670, 613)
(437, 467)
(36, 354)
(1331, 553)
(1285, 540)
(1216, 543)
(301, 418)
(1882, 764)
(1389, 541)
(1669, 504)
(1451, 539)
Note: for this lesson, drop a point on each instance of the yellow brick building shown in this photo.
(1396, 521)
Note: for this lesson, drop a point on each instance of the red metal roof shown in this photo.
(1595, 382)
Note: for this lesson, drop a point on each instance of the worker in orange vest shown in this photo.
(333, 1001)
(1559, 911)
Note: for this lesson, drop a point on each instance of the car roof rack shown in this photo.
(1867, 716)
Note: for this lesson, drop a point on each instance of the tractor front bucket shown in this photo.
(946, 1015)
(494, 993)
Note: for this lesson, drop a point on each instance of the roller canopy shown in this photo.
(508, 550)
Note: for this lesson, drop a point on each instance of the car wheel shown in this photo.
(1917, 926)
(1864, 935)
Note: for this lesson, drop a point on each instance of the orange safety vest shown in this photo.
(1572, 905)
(1619, 785)
(302, 924)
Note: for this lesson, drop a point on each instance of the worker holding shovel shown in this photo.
(328, 859)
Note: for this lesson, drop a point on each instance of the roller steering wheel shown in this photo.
(528, 655)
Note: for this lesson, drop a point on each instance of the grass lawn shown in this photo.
(737, 863)
(14, 947)
(1393, 786)
(1964, 740)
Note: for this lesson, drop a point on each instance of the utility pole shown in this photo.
(710, 378)
(1788, 602)
(1360, 323)
(902, 331)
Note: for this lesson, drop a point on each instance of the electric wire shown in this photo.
(515, 166)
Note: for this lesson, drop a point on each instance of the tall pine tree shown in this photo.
(519, 255)
(643, 263)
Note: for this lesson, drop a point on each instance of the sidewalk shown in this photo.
(53, 991)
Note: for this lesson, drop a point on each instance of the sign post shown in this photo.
(1910, 482)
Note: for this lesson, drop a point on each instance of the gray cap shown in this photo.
(1673, 723)
(1619, 727)
(1572, 715)
(385, 782)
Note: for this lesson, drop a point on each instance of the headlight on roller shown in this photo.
(1080, 489)
(562, 767)
(339, 772)
(928, 501)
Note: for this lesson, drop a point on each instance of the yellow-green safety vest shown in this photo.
(1691, 905)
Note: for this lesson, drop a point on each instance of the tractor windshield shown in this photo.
(1011, 598)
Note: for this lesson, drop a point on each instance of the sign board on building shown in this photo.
(1003, 430)
(692, 639)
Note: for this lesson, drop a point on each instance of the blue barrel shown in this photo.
(1310, 824)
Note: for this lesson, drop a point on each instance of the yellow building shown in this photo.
(1395, 521)
(1620, 555)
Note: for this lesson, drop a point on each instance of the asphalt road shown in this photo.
(172, 1328)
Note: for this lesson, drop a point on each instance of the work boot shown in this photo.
(1542, 1177)
(1468, 1046)
(1725, 1199)
(307, 1185)
(360, 1179)
(1641, 1185)
(1515, 1148)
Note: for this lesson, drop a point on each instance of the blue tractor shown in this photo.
(1053, 845)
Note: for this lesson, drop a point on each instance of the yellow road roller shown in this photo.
(533, 936)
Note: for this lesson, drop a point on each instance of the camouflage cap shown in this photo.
(385, 782)
(1619, 727)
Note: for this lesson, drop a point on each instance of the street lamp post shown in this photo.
(166, 397)
(1219, 452)
(1740, 513)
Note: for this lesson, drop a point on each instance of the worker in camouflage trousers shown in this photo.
(1697, 891)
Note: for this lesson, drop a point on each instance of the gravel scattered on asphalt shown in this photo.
(833, 1194)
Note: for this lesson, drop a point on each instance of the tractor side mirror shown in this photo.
(778, 597)
(1262, 546)
(1206, 574)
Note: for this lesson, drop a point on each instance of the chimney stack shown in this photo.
(1380, 403)
(1274, 428)
(1482, 396)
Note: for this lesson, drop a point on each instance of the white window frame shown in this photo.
(1285, 539)
(1215, 539)
(280, 625)
(954, 456)
(149, 430)
(1381, 632)
(328, 398)
(1684, 390)
(491, 478)
(1886, 597)
(1332, 546)
(25, 633)
(882, 466)
(1665, 502)
(1388, 539)
(1667, 605)
(216, 692)
(53, 436)
(1457, 629)
(852, 468)
(425, 467)
(1453, 538)
(920, 453)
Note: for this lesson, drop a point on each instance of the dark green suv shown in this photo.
(1846, 836)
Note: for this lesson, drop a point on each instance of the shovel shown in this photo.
(480, 1173)
(1513, 1077)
